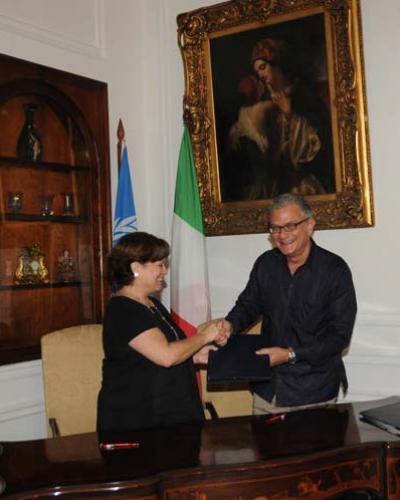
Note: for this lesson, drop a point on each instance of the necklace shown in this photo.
(154, 309)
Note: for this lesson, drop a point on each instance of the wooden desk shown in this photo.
(314, 453)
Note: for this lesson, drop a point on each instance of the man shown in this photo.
(307, 301)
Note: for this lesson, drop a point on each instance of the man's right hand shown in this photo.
(217, 331)
(225, 331)
(226, 326)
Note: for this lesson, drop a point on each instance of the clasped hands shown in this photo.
(217, 333)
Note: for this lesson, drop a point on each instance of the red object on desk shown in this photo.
(275, 418)
(118, 446)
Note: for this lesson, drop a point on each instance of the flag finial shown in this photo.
(121, 140)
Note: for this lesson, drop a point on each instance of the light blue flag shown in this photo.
(125, 213)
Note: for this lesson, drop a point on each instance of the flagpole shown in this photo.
(125, 213)
(121, 139)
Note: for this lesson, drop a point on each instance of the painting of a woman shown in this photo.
(290, 126)
(280, 139)
(275, 102)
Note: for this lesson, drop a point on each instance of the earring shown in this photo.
(135, 275)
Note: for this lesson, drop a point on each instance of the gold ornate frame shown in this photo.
(350, 204)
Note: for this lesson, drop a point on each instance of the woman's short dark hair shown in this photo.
(134, 247)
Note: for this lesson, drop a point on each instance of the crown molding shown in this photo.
(35, 32)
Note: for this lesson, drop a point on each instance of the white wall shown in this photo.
(131, 44)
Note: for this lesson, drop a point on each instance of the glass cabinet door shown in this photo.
(54, 204)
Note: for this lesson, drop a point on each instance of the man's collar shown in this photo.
(311, 254)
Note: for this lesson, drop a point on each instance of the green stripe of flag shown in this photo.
(187, 198)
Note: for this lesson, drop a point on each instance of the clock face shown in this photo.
(34, 264)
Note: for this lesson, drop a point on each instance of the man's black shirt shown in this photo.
(313, 311)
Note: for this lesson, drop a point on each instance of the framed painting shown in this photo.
(275, 102)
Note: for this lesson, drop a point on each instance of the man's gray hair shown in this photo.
(283, 200)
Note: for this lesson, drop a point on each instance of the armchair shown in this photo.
(72, 361)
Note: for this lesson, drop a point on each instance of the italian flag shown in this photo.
(190, 302)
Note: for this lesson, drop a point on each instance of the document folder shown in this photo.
(385, 417)
(237, 362)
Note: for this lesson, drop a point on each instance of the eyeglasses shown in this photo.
(287, 228)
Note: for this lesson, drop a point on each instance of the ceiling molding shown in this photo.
(33, 31)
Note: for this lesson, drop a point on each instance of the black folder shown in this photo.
(237, 362)
(385, 417)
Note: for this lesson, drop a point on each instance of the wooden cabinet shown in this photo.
(54, 204)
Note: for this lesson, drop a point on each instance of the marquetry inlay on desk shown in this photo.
(315, 454)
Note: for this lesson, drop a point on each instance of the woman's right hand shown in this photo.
(209, 331)
(217, 331)
(283, 100)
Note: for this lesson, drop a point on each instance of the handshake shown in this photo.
(216, 333)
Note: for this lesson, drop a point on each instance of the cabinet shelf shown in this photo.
(45, 285)
(64, 219)
(71, 129)
(6, 161)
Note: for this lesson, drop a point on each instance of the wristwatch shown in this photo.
(291, 356)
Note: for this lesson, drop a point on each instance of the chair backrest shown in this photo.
(72, 362)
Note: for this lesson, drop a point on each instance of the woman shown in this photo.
(148, 372)
(297, 126)
(292, 149)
